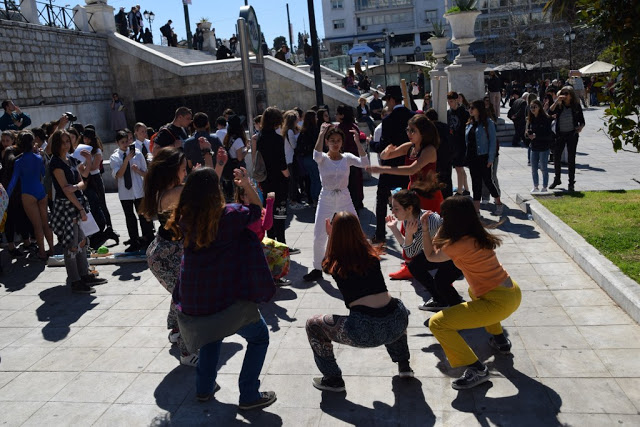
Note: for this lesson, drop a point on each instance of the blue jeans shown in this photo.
(539, 160)
(314, 177)
(257, 336)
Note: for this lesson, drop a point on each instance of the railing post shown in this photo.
(29, 10)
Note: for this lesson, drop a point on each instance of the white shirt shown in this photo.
(146, 143)
(334, 174)
(237, 144)
(290, 144)
(137, 188)
(221, 133)
(93, 157)
(377, 133)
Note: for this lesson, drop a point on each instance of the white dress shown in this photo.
(334, 196)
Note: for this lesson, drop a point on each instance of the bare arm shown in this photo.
(428, 155)
(391, 151)
(320, 141)
(69, 189)
(431, 253)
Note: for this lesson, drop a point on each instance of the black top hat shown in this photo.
(393, 92)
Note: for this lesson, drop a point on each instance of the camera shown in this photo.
(132, 147)
(71, 116)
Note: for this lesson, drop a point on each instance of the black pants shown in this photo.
(97, 201)
(294, 178)
(130, 208)
(481, 173)
(439, 286)
(518, 137)
(444, 176)
(280, 188)
(382, 201)
(570, 139)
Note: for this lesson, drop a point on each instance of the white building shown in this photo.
(349, 22)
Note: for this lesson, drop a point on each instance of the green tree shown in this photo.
(278, 42)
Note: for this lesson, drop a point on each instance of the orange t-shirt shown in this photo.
(479, 266)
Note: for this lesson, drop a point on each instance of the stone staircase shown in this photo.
(505, 130)
(187, 56)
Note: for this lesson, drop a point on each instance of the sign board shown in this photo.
(249, 16)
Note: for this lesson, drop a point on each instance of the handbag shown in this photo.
(198, 331)
(259, 167)
(278, 257)
(89, 227)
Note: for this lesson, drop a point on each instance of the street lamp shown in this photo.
(540, 49)
(149, 16)
(569, 37)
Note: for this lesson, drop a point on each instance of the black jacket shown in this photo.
(393, 132)
(518, 109)
(494, 84)
(541, 126)
(578, 117)
(271, 146)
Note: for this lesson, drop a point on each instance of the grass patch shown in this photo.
(608, 220)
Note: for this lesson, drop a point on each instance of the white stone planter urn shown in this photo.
(439, 50)
(205, 25)
(463, 32)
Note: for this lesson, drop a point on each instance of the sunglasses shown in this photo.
(411, 131)
(564, 93)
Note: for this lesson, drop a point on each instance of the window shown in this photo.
(336, 4)
(338, 24)
(431, 16)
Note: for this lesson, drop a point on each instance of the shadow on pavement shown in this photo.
(273, 313)
(16, 275)
(60, 312)
(410, 406)
(126, 272)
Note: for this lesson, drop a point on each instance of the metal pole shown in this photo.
(246, 72)
(289, 28)
(316, 54)
(188, 25)
(570, 52)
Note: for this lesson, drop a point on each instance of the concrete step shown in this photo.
(187, 56)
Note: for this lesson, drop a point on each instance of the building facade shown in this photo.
(398, 30)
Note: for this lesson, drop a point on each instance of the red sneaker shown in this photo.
(402, 274)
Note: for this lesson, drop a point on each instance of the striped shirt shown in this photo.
(416, 246)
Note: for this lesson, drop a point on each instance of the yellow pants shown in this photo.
(486, 311)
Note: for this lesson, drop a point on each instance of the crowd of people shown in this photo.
(221, 199)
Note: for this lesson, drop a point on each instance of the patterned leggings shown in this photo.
(358, 330)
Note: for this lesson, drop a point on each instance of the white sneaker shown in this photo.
(499, 209)
(189, 359)
(544, 190)
(173, 336)
(535, 190)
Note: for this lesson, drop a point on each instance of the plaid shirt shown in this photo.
(232, 268)
(64, 215)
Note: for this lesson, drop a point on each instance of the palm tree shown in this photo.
(562, 10)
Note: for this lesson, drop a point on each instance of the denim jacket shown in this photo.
(484, 145)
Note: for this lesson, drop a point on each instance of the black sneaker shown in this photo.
(554, 184)
(502, 348)
(471, 378)
(375, 240)
(79, 287)
(432, 305)
(571, 187)
(135, 247)
(334, 384)
(404, 370)
(466, 193)
(92, 280)
(293, 251)
(312, 275)
(206, 397)
(283, 282)
(266, 399)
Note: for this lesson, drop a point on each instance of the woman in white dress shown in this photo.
(334, 196)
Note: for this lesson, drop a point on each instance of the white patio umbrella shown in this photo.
(597, 67)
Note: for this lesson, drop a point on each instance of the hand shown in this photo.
(325, 127)
(63, 121)
(356, 135)
(271, 195)
(222, 156)
(204, 144)
(197, 166)
(392, 222)
(134, 167)
(241, 177)
(86, 154)
(411, 227)
(489, 164)
(83, 215)
(17, 109)
(579, 129)
(328, 226)
(131, 154)
(424, 219)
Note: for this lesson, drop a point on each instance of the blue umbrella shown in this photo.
(360, 49)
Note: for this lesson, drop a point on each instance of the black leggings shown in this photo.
(570, 139)
(481, 173)
(280, 188)
(440, 287)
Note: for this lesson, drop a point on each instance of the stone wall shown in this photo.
(41, 65)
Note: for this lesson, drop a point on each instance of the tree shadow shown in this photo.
(409, 406)
(273, 313)
(60, 312)
(523, 230)
(589, 168)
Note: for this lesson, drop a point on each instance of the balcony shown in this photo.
(369, 5)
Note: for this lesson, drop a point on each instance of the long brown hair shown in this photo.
(197, 216)
(459, 219)
(428, 131)
(541, 113)
(162, 175)
(348, 250)
(290, 123)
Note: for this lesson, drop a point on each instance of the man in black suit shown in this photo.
(393, 133)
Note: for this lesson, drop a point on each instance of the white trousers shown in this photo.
(329, 202)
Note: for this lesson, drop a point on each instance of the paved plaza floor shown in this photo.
(104, 359)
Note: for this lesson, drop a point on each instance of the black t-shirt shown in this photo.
(168, 135)
(271, 146)
(457, 120)
(192, 147)
(354, 286)
(472, 146)
(70, 173)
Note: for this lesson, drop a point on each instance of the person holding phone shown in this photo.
(540, 135)
(128, 167)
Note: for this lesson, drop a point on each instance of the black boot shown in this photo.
(555, 183)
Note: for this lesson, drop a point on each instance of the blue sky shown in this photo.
(272, 16)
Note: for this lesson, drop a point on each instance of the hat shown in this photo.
(234, 121)
(393, 92)
(89, 132)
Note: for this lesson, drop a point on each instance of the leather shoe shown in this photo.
(555, 183)
(402, 274)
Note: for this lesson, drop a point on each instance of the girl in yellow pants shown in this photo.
(494, 296)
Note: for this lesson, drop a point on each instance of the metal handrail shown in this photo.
(56, 16)
(11, 11)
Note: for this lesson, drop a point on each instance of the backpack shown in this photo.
(152, 140)
(259, 167)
